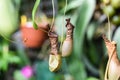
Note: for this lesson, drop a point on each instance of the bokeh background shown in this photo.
(24, 51)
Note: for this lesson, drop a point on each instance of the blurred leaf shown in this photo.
(64, 66)
(3, 64)
(32, 78)
(33, 13)
(117, 39)
(18, 75)
(14, 59)
(72, 5)
(5, 56)
(93, 53)
(77, 70)
(68, 77)
(20, 50)
(59, 77)
(42, 71)
(60, 23)
(17, 4)
(91, 30)
(8, 17)
(23, 56)
(86, 11)
(92, 78)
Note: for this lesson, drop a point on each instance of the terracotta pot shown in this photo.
(33, 38)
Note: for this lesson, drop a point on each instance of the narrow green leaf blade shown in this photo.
(33, 13)
(86, 11)
(35, 25)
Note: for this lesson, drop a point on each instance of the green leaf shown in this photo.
(72, 5)
(14, 59)
(117, 39)
(18, 75)
(77, 69)
(93, 52)
(86, 11)
(33, 13)
(3, 64)
(91, 30)
(35, 25)
(22, 55)
(60, 23)
(43, 72)
(92, 78)
(8, 17)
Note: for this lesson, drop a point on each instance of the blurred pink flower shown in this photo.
(27, 71)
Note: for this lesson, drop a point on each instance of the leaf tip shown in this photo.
(35, 25)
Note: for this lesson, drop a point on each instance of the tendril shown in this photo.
(53, 19)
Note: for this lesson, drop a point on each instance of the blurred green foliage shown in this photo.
(89, 56)
(7, 56)
(42, 71)
(18, 75)
(9, 11)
